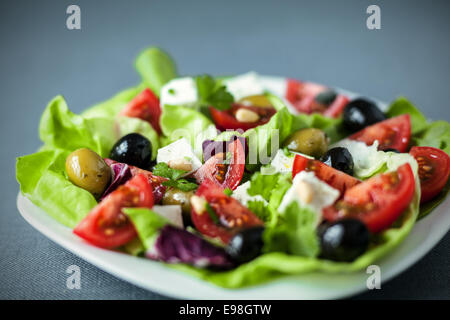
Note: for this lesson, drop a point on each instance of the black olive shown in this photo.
(343, 240)
(391, 150)
(133, 149)
(340, 159)
(326, 97)
(246, 245)
(360, 113)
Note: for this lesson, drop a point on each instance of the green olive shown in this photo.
(256, 101)
(179, 197)
(311, 141)
(87, 170)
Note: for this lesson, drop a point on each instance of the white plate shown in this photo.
(157, 277)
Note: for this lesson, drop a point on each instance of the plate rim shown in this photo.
(94, 256)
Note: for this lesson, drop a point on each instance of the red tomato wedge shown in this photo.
(434, 168)
(144, 106)
(155, 181)
(378, 201)
(231, 215)
(302, 96)
(106, 225)
(227, 119)
(335, 109)
(392, 133)
(335, 178)
(223, 174)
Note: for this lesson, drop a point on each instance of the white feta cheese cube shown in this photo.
(308, 190)
(282, 162)
(180, 91)
(179, 150)
(244, 85)
(241, 194)
(171, 213)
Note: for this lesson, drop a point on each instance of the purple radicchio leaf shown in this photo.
(174, 245)
(158, 193)
(121, 173)
(212, 147)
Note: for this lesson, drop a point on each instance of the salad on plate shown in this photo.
(241, 179)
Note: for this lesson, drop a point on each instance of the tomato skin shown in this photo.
(214, 169)
(336, 108)
(302, 96)
(292, 90)
(378, 201)
(335, 178)
(434, 168)
(226, 120)
(393, 133)
(106, 226)
(233, 216)
(144, 106)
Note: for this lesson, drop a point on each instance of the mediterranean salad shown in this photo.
(238, 179)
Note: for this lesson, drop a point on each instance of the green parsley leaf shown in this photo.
(228, 192)
(174, 175)
(182, 184)
(163, 170)
(213, 94)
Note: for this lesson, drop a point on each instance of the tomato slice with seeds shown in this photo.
(144, 106)
(335, 178)
(106, 226)
(434, 168)
(227, 119)
(155, 181)
(302, 95)
(225, 175)
(392, 133)
(231, 215)
(378, 201)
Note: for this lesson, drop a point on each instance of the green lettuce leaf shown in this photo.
(156, 68)
(43, 180)
(61, 128)
(272, 188)
(112, 107)
(259, 208)
(331, 126)
(437, 134)
(41, 174)
(178, 122)
(294, 234)
(147, 224)
(403, 106)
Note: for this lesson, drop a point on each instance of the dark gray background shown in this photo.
(325, 41)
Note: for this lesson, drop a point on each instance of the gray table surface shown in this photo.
(325, 41)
